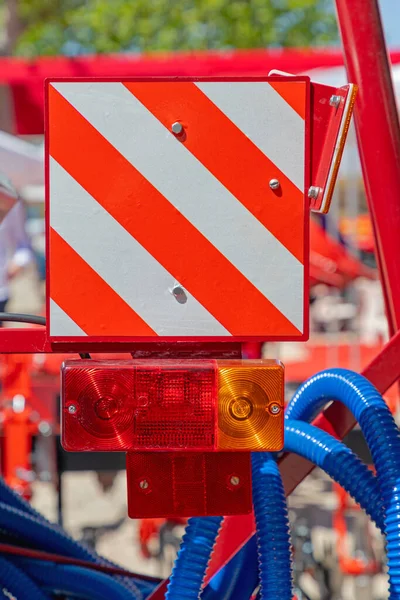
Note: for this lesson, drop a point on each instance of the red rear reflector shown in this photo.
(175, 405)
(172, 484)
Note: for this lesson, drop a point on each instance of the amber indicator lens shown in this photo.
(250, 406)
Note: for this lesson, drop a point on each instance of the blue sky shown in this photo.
(390, 10)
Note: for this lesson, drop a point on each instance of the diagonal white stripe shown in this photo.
(61, 323)
(267, 120)
(131, 271)
(193, 190)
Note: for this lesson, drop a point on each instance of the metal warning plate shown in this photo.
(177, 209)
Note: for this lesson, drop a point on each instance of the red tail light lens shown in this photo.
(172, 405)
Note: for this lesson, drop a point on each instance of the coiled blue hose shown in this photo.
(339, 462)
(72, 580)
(17, 583)
(22, 519)
(193, 557)
(381, 434)
(343, 466)
(273, 538)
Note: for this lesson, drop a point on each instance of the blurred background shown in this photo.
(336, 557)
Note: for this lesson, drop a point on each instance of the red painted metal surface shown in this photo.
(378, 134)
(330, 126)
(383, 372)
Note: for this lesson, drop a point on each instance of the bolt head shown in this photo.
(179, 294)
(275, 409)
(314, 192)
(335, 101)
(274, 184)
(144, 484)
(177, 127)
(72, 409)
(234, 480)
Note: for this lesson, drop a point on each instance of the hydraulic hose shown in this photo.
(46, 537)
(17, 583)
(381, 434)
(339, 462)
(273, 538)
(9, 498)
(193, 557)
(74, 580)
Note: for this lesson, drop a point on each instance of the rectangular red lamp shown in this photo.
(172, 405)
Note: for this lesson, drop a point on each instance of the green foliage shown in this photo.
(76, 26)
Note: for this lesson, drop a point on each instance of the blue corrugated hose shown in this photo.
(381, 434)
(74, 581)
(338, 461)
(273, 538)
(19, 584)
(193, 557)
(20, 518)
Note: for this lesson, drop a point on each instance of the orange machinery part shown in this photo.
(349, 565)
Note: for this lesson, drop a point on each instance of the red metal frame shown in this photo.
(378, 135)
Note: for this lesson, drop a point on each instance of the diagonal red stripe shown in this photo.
(230, 156)
(87, 298)
(105, 174)
(294, 93)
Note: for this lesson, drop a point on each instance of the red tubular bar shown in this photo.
(378, 133)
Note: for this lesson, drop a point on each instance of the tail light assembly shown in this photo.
(188, 427)
(204, 406)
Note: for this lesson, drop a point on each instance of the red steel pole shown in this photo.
(378, 134)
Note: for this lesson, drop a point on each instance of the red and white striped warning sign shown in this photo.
(177, 208)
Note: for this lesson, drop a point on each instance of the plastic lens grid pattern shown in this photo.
(121, 405)
(175, 408)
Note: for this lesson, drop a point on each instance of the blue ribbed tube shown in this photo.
(76, 581)
(38, 532)
(193, 557)
(339, 462)
(381, 434)
(18, 583)
(273, 538)
(52, 533)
